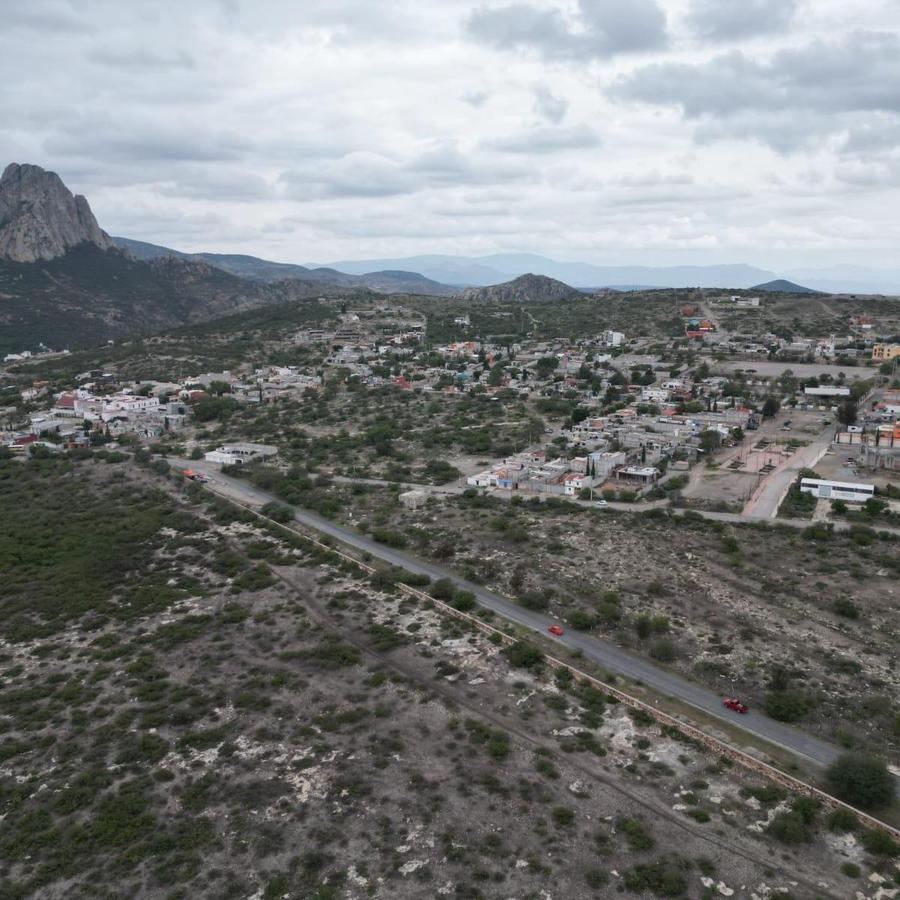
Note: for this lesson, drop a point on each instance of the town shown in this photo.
(713, 420)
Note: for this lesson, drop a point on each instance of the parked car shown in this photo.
(602, 503)
(555, 629)
(735, 705)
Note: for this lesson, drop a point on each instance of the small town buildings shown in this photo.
(240, 454)
(885, 352)
(828, 390)
(639, 475)
(848, 491)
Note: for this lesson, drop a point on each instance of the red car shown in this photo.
(735, 705)
(555, 629)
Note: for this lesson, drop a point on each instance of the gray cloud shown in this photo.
(797, 95)
(349, 128)
(548, 106)
(125, 141)
(603, 28)
(729, 20)
(142, 58)
(547, 140)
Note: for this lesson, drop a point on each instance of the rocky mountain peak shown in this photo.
(40, 218)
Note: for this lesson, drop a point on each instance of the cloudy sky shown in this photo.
(611, 131)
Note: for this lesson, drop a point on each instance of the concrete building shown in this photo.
(848, 491)
(240, 454)
(885, 352)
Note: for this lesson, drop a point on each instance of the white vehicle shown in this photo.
(602, 503)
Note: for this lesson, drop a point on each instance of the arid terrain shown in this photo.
(231, 713)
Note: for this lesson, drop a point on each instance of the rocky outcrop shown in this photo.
(40, 218)
(524, 289)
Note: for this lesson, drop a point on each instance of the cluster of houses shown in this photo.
(532, 471)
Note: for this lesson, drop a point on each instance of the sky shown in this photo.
(610, 131)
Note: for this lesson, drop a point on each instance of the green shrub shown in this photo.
(636, 835)
(861, 780)
(464, 601)
(787, 706)
(663, 651)
(662, 878)
(581, 620)
(880, 843)
(841, 820)
(845, 607)
(522, 655)
(563, 816)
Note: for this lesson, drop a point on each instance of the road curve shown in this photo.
(600, 651)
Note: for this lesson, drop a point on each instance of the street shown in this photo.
(596, 649)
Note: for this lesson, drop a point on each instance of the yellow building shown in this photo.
(885, 352)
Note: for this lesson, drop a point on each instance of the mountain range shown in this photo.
(256, 269)
(468, 271)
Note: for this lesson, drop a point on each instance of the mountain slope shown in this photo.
(40, 219)
(265, 270)
(780, 285)
(524, 289)
(90, 295)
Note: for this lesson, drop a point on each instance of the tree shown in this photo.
(770, 407)
(546, 365)
(278, 511)
(861, 780)
(847, 412)
(710, 440)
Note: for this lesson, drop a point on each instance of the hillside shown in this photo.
(256, 269)
(524, 289)
(89, 296)
(782, 286)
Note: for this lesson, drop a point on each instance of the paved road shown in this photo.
(597, 650)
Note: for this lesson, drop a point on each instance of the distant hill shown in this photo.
(500, 267)
(252, 267)
(782, 286)
(524, 289)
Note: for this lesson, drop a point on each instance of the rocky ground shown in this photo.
(264, 722)
(802, 623)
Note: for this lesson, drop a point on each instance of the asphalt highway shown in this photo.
(602, 652)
